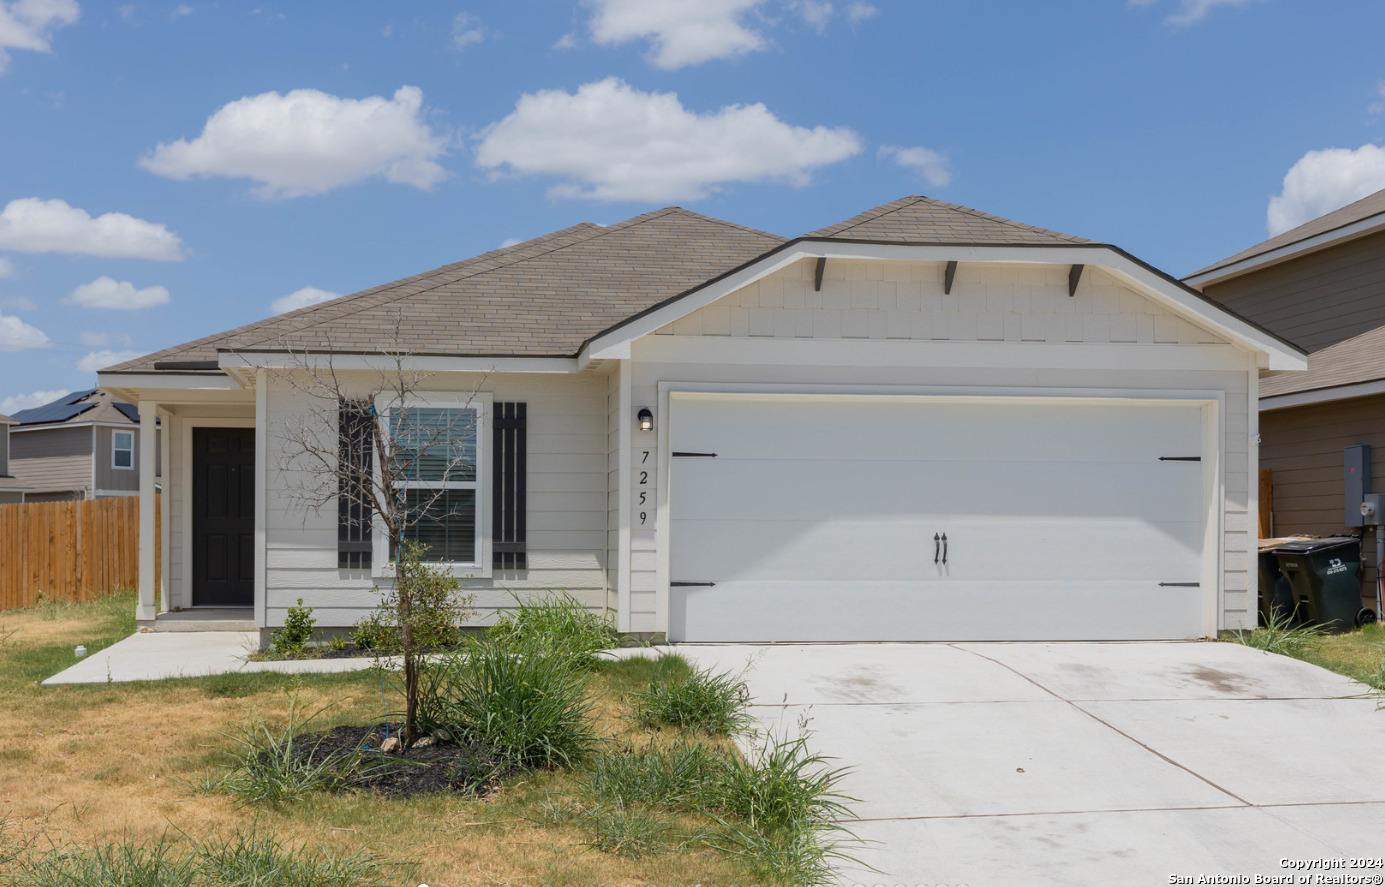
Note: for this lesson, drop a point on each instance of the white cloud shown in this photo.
(567, 41)
(860, 11)
(928, 164)
(682, 32)
(29, 24)
(127, 11)
(309, 142)
(105, 340)
(510, 241)
(1322, 181)
(6, 267)
(817, 13)
(32, 225)
(16, 335)
(99, 360)
(1192, 11)
(182, 10)
(117, 295)
(302, 298)
(466, 30)
(610, 141)
(17, 402)
(1378, 104)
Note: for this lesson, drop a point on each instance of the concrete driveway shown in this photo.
(1064, 764)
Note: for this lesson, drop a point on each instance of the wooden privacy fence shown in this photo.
(70, 551)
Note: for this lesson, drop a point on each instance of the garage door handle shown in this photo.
(944, 549)
(936, 549)
(1180, 584)
(691, 584)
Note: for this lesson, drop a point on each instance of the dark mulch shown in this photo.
(443, 767)
(350, 651)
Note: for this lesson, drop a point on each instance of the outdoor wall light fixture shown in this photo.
(646, 419)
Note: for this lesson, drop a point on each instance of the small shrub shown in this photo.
(337, 643)
(682, 696)
(278, 767)
(560, 623)
(297, 631)
(524, 705)
(1281, 636)
(374, 632)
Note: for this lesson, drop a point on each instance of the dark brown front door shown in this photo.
(223, 517)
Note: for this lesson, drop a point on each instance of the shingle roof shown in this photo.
(91, 405)
(542, 298)
(923, 220)
(5, 420)
(1372, 205)
(1355, 360)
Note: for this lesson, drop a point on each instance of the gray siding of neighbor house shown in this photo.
(1317, 300)
(1303, 446)
(4, 451)
(108, 477)
(52, 460)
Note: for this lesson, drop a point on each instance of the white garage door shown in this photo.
(857, 518)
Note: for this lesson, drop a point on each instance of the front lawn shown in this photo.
(96, 777)
(1359, 654)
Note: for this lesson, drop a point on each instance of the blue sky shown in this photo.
(168, 170)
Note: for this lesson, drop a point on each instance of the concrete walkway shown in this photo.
(153, 656)
(1071, 764)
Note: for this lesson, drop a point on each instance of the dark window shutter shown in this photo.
(354, 448)
(509, 471)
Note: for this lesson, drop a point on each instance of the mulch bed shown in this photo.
(442, 767)
(350, 651)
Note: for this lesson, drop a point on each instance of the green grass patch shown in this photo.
(679, 695)
(559, 623)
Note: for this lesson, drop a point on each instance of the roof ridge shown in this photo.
(746, 228)
(870, 215)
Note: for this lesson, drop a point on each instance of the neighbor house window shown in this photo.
(435, 460)
(123, 449)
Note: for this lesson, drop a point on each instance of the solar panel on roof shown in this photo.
(53, 412)
(128, 410)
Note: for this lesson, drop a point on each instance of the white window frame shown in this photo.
(117, 449)
(382, 567)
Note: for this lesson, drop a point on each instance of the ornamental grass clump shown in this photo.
(558, 622)
(680, 695)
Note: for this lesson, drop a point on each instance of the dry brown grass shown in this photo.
(87, 763)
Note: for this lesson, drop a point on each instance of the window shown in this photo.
(123, 449)
(435, 457)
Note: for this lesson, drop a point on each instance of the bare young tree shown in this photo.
(369, 442)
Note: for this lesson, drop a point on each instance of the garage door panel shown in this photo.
(839, 428)
(1095, 610)
(841, 550)
(818, 489)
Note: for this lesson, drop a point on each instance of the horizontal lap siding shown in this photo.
(1316, 300)
(52, 459)
(613, 491)
(1303, 447)
(1003, 303)
(567, 499)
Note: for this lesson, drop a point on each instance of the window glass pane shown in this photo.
(124, 449)
(434, 444)
(445, 521)
(123, 458)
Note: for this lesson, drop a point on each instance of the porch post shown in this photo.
(148, 415)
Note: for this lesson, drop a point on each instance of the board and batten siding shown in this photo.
(568, 495)
(52, 460)
(989, 303)
(1303, 447)
(1315, 300)
(613, 489)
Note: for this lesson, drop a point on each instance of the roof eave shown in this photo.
(1343, 234)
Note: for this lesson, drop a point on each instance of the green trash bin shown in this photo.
(1276, 596)
(1325, 578)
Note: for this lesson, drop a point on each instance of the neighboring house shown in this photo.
(84, 445)
(1322, 287)
(12, 489)
(922, 423)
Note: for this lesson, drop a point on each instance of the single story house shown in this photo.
(1321, 286)
(84, 445)
(922, 423)
(12, 489)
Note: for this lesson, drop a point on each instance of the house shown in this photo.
(12, 489)
(1321, 286)
(84, 445)
(925, 422)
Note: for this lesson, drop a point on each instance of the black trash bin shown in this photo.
(1325, 578)
(1276, 597)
